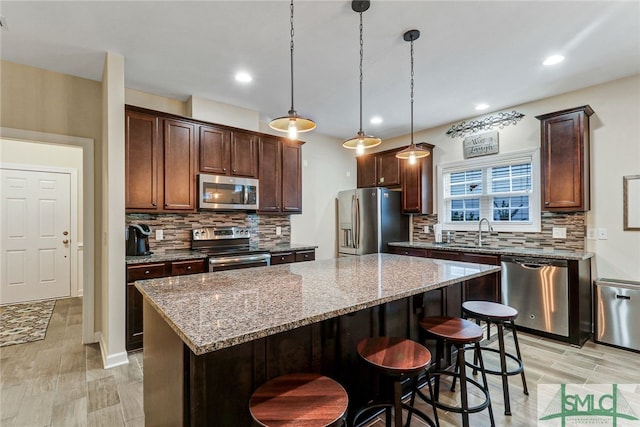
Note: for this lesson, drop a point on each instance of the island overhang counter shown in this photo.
(210, 339)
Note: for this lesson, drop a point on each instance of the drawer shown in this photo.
(408, 251)
(145, 271)
(187, 267)
(305, 256)
(282, 258)
(480, 258)
(450, 255)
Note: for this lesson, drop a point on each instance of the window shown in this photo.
(503, 189)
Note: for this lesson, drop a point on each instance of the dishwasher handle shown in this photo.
(618, 296)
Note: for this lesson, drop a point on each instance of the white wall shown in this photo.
(326, 169)
(218, 112)
(615, 152)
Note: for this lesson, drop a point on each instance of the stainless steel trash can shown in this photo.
(617, 307)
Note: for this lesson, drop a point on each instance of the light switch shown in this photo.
(591, 233)
(278, 231)
(159, 235)
(559, 232)
(425, 229)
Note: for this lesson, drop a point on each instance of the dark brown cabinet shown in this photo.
(133, 322)
(280, 176)
(214, 150)
(179, 165)
(226, 152)
(565, 160)
(287, 257)
(417, 184)
(388, 169)
(142, 155)
(366, 167)
(160, 160)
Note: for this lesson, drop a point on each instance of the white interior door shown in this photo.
(35, 235)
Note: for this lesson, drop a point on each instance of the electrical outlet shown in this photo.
(603, 234)
(591, 233)
(559, 232)
(159, 235)
(278, 231)
(425, 229)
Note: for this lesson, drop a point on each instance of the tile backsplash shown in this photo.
(177, 227)
(574, 223)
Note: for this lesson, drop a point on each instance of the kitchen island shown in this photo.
(211, 339)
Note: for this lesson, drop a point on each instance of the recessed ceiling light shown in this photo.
(553, 60)
(376, 120)
(243, 77)
(482, 106)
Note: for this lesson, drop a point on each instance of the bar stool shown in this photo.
(399, 359)
(301, 400)
(499, 314)
(459, 333)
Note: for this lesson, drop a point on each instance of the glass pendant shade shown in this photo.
(412, 152)
(361, 141)
(292, 124)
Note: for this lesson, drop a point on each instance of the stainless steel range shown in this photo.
(228, 248)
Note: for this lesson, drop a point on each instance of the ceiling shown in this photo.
(469, 52)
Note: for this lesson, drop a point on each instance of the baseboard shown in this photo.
(112, 360)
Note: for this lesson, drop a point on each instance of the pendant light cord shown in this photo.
(411, 91)
(361, 55)
(291, 111)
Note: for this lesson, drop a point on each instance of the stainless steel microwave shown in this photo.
(227, 193)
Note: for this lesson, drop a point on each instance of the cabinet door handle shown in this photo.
(147, 272)
(224, 169)
(154, 204)
(189, 268)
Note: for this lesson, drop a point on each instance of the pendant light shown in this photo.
(292, 123)
(361, 141)
(412, 152)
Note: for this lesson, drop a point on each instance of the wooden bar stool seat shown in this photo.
(501, 315)
(301, 400)
(398, 359)
(459, 333)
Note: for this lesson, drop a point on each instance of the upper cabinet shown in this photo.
(142, 156)
(565, 160)
(384, 169)
(179, 143)
(380, 169)
(417, 184)
(280, 176)
(226, 152)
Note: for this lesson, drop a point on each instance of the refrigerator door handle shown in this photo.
(357, 239)
(353, 222)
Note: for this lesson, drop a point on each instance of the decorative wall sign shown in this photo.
(500, 120)
(480, 145)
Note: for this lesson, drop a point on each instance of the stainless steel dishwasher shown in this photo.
(617, 308)
(539, 289)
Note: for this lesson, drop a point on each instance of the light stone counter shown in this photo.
(212, 311)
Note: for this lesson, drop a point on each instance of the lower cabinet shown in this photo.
(293, 256)
(485, 288)
(133, 322)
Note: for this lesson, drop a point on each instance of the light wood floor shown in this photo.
(60, 382)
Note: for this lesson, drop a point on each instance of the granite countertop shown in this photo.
(287, 247)
(212, 311)
(500, 250)
(173, 255)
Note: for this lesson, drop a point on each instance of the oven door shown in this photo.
(232, 262)
(226, 192)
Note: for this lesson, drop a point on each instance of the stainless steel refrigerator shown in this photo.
(368, 219)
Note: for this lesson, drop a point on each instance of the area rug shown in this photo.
(25, 322)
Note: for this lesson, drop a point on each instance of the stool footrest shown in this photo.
(484, 405)
(515, 371)
(390, 405)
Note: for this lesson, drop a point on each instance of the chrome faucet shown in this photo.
(480, 230)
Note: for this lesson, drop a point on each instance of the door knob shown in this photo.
(65, 241)
(65, 233)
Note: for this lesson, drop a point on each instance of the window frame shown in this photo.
(484, 163)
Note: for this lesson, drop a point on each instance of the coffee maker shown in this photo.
(137, 236)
